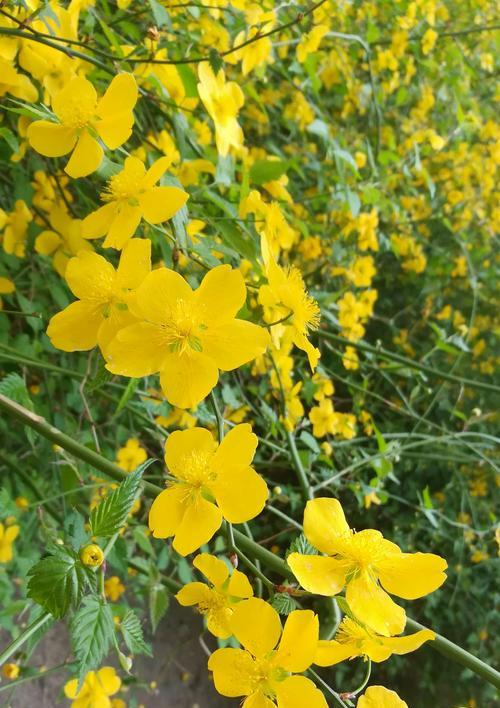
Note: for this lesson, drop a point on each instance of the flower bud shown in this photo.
(92, 555)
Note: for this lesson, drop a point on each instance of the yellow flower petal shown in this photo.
(215, 570)
(373, 607)
(299, 641)
(256, 625)
(167, 511)
(182, 444)
(233, 671)
(201, 520)
(324, 523)
(156, 170)
(135, 351)
(123, 226)
(380, 697)
(51, 139)
(120, 97)
(258, 700)
(239, 585)
(116, 130)
(412, 575)
(47, 242)
(331, 652)
(75, 328)
(323, 576)
(116, 321)
(234, 343)
(78, 93)
(159, 293)
(108, 679)
(186, 379)
(399, 645)
(218, 621)
(11, 533)
(70, 688)
(222, 293)
(135, 263)
(85, 158)
(161, 203)
(98, 223)
(241, 493)
(90, 277)
(299, 691)
(6, 286)
(193, 594)
(237, 447)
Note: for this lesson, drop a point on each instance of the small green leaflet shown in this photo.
(301, 545)
(132, 634)
(284, 603)
(110, 515)
(158, 604)
(92, 629)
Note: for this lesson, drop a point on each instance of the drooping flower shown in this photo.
(367, 564)
(217, 600)
(131, 455)
(63, 240)
(285, 298)
(380, 697)
(263, 670)
(310, 42)
(81, 114)
(131, 195)
(8, 535)
(222, 100)
(353, 639)
(103, 293)
(212, 482)
(96, 689)
(187, 335)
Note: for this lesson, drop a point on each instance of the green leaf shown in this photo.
(263, 171)
(110, 515)
(158, 604)
(127, 395)
(91, 631)
(57, 582)
(215, 60)
(160, 14)
(10, 139)
(301, 545)
(132, 634)
(189, 80)
(233, 237)
(284, 603)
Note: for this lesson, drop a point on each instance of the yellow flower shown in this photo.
(15, 229)
(96, 689)
(218, 600)
(80, 115)
(262, 669)
(310, 42)
(21, 503)
(63, 240)
(104, 293)
(350, 360)
(428, 41)
(366, 225)
(10, 671)
(8, 535)
(131, 195)
(322, 417)
(222, 100)
(353, 639)
(114, 588)
(187, 336)
(285, 298)
(212, 482)
(362, 271)
(92, 555)
(131, 455)
(380, 697)
(7, 287)
(366, 563)
(16, 84)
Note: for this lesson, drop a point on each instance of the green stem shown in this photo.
(23, 637)
(328, 688)
(218, 416)
(299, 468)
(34, 677)
(270, 560)
(411, 363)
(365, 680)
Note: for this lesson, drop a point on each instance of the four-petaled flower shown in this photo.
(367, 564)
(217, 600)
(212, 482)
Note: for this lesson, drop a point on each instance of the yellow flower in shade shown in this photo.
(263, 669)
(96, 689)
(10, 671)
(310, 42)
(7, 287)
(8, 535)
(131, 455)
(212, 482)
(285, 298)
(114, 588)
(187, 335)
(81, 114)
(350, 360)
(380, 697)
(222, 100)
(15, 229)
(353, 639)
(16, 84)
(131, 195)
(63, 240)
(367, 564)
(104, 293)
(92, 555)
(217, 600)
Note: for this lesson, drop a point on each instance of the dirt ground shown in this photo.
(178, 668)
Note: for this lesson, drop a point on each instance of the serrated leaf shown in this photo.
(74, 525)
(158, 604)
(132, 634)
(110, 515)
(301, 545)
(57, 582)
(284, 603)
(91, 629)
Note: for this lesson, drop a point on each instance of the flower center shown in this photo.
(197, 471)
(77, 113)
(182, 330)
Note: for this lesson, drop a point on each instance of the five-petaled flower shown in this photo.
(217, 600)
(131, 195)
(81, 116)
(367, 564)
(212, 482)
(187, 335)
(263, 669)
